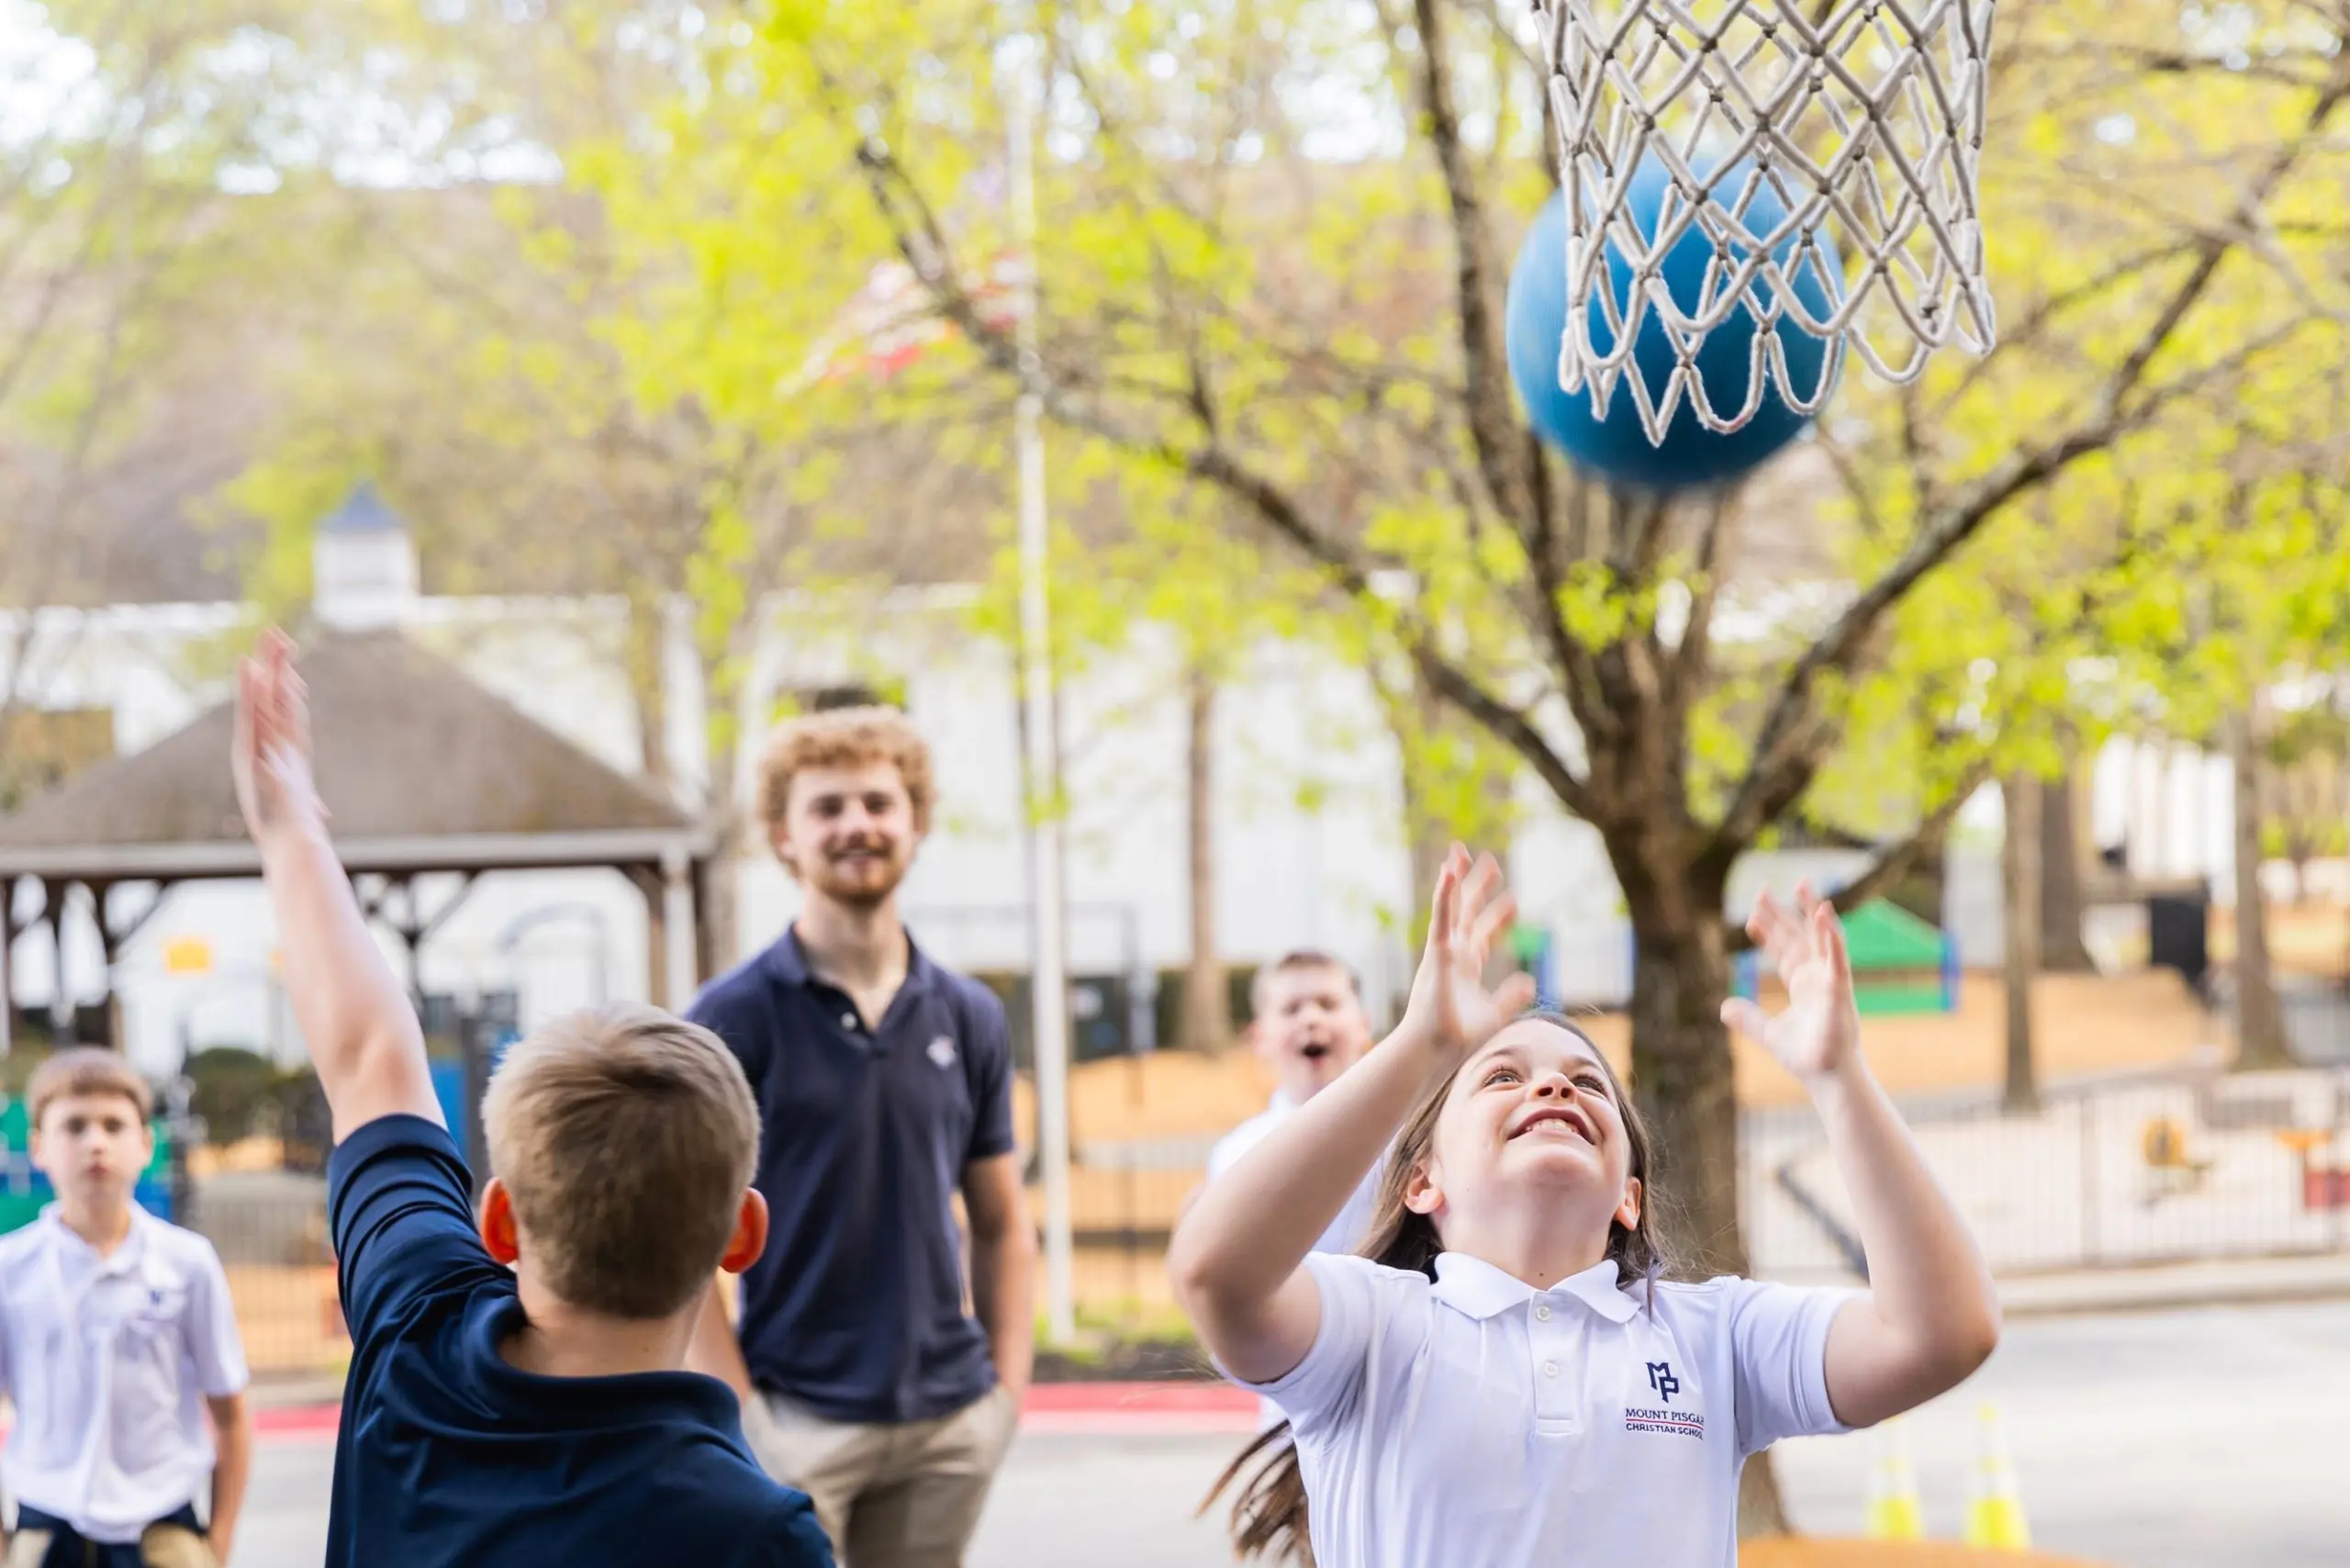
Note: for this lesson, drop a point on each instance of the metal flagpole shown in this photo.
(1048, 982)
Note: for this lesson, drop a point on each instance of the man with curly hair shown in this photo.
(884, 1083)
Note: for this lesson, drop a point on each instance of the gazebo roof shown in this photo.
(364, 512)
(423, 769)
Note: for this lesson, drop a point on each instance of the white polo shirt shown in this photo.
(1476, 1422)
(108, 1360)
(1344, 1233)
(1353, 1221)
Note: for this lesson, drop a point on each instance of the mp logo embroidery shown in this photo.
(942, 1051)
(1662, 1417)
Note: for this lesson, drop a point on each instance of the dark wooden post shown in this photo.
(646, 881)
(7, 975)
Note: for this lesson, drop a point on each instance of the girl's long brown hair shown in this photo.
(1269, 1514)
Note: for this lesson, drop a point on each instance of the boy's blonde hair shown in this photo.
(625, 1136)
(88, 1070)
(844, 737)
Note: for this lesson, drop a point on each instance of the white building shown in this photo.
(1301, 728)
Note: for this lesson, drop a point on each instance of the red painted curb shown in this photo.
(1139, 1398)
(1218, 1424)
(296, 1420)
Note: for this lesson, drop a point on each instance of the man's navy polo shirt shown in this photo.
(448, 1455)
(855, 1309)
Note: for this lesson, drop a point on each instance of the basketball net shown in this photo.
(1862, 120)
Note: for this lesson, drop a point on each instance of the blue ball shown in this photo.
(1616, 448)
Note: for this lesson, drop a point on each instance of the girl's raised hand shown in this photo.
(1820, 1029)
(1451, 1007)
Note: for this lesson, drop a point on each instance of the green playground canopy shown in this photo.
(1881, 935)
(1901, 964)
(1886, 939)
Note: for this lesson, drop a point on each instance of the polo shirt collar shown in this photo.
(786, 963)
(580, 1404)
(1475, 1288)
(122, 1259)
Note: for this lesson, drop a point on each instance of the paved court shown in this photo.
(2176, 1439)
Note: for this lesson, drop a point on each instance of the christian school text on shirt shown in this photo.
(1472, 1421)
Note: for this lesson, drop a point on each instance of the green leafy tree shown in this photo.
(1275, 255)
(527, 371)
(125, 132)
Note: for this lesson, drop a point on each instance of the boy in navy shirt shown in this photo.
(515, 1394)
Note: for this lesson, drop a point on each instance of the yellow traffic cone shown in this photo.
(1995, 1514)
(1894, 1511)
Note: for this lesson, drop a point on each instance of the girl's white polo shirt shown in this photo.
(108, 1360)
(1343, 1234)
(1476, 1422)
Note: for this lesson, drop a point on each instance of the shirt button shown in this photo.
(1542, 1314)
(1550, 1369)
(848, 1020)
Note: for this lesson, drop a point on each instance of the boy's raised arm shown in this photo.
(356, 1021)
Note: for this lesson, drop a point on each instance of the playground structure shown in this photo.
(1901, 965)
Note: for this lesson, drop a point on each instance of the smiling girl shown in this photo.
(1502, 1379)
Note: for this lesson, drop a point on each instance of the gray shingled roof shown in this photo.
(422, 768)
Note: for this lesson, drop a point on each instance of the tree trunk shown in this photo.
(2300, 806)
(2260, 1023)
(2063, 950)
(718, 929)
(7, 975)
(643, 663)
(1412, 716)
(1430, 741)
(1207, 999)
(2020, 867)
(718, 906)
(2166, 810)
(1681, 1083)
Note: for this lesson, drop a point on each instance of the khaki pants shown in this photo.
(902, 1495)
(162, 1546)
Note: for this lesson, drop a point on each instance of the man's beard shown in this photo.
(861, 893)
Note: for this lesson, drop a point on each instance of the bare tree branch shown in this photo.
(1694, 655)
(1493, 422)
(1550, 555)
(1856, 485)
(1493, 17)
(1639, 546)
(1895, 861)
(1781, 769)
(2136, 59)
(914, 226)
(1349, 574)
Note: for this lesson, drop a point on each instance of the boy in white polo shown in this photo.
(1309, 1025)
(117, 1339)
(1508, 1381)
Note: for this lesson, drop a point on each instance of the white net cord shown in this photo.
(1861, 120)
